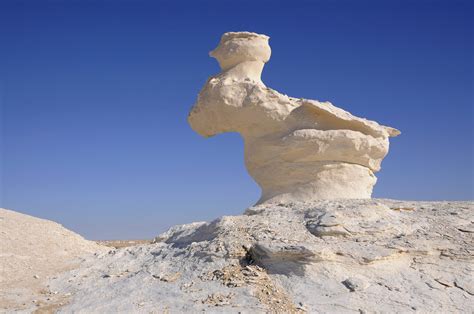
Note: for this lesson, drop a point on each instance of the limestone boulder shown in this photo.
(295, 149)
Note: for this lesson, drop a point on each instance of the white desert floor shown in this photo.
(341, 256)
(33, 250)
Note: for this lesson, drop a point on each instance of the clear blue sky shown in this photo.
(95, 96)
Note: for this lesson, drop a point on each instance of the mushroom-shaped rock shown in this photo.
(295, 149)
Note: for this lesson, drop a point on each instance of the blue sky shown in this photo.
(95, 96)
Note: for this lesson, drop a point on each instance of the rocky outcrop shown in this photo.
(343, 256)
(295, 149)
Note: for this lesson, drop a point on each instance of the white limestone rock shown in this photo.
(295, 149)
(393, 257)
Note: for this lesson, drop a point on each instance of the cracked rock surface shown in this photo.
(357, 256)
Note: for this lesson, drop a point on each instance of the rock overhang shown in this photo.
(295, 149)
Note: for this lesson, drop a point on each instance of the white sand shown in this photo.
(32, 251)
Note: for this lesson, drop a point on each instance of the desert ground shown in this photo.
(346, 256)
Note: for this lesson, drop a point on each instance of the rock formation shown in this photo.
(327, 256)
(295, 149)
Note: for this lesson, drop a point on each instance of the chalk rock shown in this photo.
(295, 149)
(268, 261)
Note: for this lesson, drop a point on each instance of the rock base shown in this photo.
(339, 256)
(317, 181)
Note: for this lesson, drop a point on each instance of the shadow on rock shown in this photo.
(280, 258)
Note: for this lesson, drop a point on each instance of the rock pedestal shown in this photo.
(295, 149)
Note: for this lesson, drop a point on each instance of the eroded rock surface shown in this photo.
(344, 256)
(295, 149)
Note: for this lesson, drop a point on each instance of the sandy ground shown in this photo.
(32, 251)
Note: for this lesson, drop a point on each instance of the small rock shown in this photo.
(168, 277)
(329, 220)
(349, 285)
(354, 284)
(323, 231)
